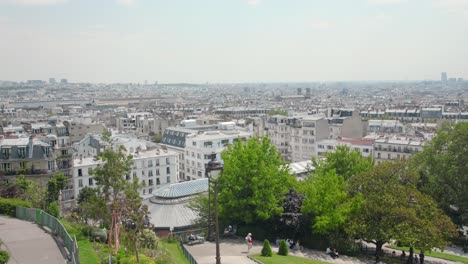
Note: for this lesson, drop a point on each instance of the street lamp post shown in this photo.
(213, 170)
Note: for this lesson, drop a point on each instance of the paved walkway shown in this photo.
(235, 252)
(28, 244)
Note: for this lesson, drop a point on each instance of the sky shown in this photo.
(232, 40)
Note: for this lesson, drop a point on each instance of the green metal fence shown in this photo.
(187, 254)
(44, 219)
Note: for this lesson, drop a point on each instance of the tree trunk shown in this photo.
(410, 257)
(378, 250)
(136, 249)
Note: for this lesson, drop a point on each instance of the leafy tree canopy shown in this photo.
(328, 201)
(395, 209)
(254, 181)
(344, 161)
(444, 166)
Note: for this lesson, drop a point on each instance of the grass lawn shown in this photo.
(436, 254)
(174, 251)
(277, 259)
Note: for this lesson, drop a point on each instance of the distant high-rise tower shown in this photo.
(52, 81)
(63, 81)
(299, 91)
(307, 92)
(443, 77)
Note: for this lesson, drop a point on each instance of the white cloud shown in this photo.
(386, 2)
(32, 2)
(253, 2)
(126, 2)
(320, 25)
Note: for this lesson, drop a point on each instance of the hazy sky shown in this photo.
(233, 40)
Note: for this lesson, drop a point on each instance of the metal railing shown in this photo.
(187, 254)
(44, 219)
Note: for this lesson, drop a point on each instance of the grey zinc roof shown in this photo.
(170, 215)
(183, 189)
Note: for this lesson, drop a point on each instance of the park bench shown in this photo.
(199, 239)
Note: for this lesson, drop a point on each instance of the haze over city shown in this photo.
(232, 40)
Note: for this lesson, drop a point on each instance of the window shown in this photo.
(80, 183)
(150, 190)
(6, 166)
(6, 153)
(198, 156)
(143, 163)
(134, 165)
(22, 164)
(225, 142)
(90, 181)
(389, 156)
(199, 173)
(378, 155)
(51, 165)
(168, 170)
(208, 144)
(134, 174)
(157, 162)
(168, 179)
(142, 173)
(398, 156)
(157, 172)
(150, 182)
(150, 173)
(198, 165)
(46, 150)
(22, 152)
(194, 143)
(150, 163)
(144, 191)
(168, 161)
(127, 177)
(207, 157)
(157, 181)
(80, 172)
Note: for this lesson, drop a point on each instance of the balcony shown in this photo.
(26, 172)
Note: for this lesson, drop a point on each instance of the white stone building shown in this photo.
(154, 168)
(365, 147)
(387, 148)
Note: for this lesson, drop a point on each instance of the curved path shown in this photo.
(27, 243)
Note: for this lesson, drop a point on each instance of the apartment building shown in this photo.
(153, 166)
(388, 148)
(295, 137)
(365, 147)
(200, 146)
(28, 156)
(385, 126)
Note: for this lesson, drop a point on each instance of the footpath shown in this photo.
(235, 252)
(28, 244)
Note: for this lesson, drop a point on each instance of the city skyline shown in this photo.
(232, 41)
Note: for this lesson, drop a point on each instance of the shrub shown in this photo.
(4, 257)
(143, 260)
(8, 206)
(283, 248)
(98, 235)
(86, 230)
(266, 250)
(53, 209)
(149, 239)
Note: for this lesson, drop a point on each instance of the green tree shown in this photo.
(344, 161)
(54, 186)
(443, 165)
(266, 250)
(328, 201)
(110, 177)
(199, 205)
(32, 192)
(278, 112)
(254, 182)
(394, 209)
(283, 248)
(53, 209)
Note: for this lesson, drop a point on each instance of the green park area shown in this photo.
(277, 259)
(346, 197)
(435, 254)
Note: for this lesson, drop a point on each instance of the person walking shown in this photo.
(249, 241)
(421, 257)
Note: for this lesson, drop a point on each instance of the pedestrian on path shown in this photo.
(249, 241)
(421, 257)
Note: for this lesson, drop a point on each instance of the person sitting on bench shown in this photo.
(192, 237)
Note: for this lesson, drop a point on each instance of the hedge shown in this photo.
(8, 205)
(4, 257)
